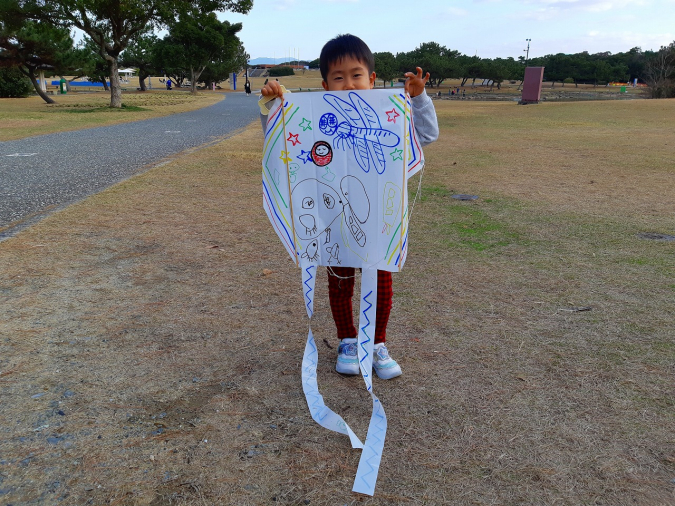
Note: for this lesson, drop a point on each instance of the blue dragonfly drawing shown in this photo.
(361, 131)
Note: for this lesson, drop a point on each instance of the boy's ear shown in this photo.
(372, 80)
(325, 85)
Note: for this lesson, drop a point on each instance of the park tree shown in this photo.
(499, 69)
(385, 67)
(469, 67)
(281, 70)
(438, 60)
(139, 54)
(635, 60)
(35, 48)
(13, 84)
(112, 24)
(558, 68)
(220, 70)
(194, 42)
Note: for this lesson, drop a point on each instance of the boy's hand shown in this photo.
(272, 90)
(415, 83)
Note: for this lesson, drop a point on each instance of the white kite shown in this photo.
(335, 170)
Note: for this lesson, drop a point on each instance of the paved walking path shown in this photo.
(39, 175)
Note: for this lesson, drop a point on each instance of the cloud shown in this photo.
(283, 5)
(619, 41)
(456, 11)
(585, 5)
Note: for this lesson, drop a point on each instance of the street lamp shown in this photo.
(527, 54)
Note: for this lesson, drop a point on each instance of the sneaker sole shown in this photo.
(388, 373)
(350, 370)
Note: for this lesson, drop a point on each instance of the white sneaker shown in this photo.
(385, 366)
(348, 360)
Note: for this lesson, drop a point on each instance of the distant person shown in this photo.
(168, 84)
(247, 88)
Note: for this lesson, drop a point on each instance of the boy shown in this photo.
(347, 63)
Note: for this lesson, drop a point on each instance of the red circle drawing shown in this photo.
(322, 154)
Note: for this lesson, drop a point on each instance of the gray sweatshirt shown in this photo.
(424, 117)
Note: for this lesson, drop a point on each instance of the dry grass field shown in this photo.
(151, 336)
(24, 117)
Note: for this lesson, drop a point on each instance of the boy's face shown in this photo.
(348, 74)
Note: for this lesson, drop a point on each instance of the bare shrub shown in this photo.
(660, 73)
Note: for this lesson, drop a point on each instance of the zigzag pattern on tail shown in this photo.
(310, 311)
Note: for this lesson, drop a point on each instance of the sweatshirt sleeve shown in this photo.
(424, 117)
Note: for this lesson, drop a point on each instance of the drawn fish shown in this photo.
(312, 251)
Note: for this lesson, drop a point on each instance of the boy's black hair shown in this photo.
(342, 46)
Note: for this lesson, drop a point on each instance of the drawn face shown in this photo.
(313, 199)
(322, 153)
(348, 74)
(328, 123)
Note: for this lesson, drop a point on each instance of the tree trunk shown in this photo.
(115, 88)
(141, 81)
(464, 80)
(192, 81)
(30, 72)
(195, 78)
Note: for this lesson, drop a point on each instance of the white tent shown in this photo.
(127, 72)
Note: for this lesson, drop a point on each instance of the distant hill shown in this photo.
(272, 61)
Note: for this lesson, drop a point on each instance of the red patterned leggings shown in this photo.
(340, 292)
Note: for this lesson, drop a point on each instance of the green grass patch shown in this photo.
(475, 225)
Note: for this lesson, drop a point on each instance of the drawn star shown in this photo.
(305, 156)
(305, 125)
(397, 154)
(294, 138)
(284, 157)
(392, 115)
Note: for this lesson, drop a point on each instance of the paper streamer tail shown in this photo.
(321, 413)
(369, 464)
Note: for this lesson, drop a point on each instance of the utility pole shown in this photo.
(527, 57)
(527, 51)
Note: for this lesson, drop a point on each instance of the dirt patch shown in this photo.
(149, 356)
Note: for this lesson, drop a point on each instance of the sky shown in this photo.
(487, 28)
